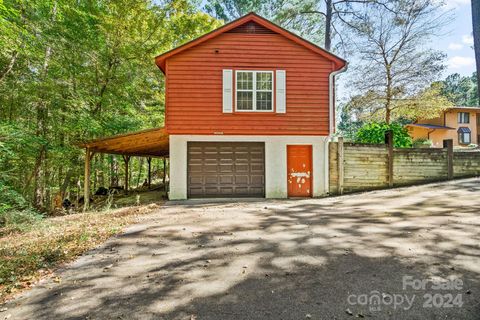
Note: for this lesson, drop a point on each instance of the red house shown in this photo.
(249, 110)
(249, 113)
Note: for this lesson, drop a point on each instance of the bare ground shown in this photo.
(282, 259)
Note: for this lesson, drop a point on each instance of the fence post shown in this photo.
(389, 143)
(448, 144)
(340, 164)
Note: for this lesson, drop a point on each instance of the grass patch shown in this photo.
(28, 254)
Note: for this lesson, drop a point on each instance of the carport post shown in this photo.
(149, 160)
(86, 187)
(164, 173)
(126, 159)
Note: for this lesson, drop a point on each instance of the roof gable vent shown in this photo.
(252, 28)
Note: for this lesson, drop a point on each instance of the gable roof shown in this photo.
(339, 62)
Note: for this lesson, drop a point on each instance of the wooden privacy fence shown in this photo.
(360, 167)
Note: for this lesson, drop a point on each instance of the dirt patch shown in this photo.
(31, 255)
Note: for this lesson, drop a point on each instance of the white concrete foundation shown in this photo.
(275, 162)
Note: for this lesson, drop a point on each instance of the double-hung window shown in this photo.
(254, 90)
(463, 117)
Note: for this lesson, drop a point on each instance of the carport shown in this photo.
(151, 143)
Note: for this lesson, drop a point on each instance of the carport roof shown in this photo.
(145, 143)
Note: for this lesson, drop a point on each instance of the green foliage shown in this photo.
(375, 133)
(422, 143)
(15, 211)
(303, 17)
(349, 123)
(232, 9)
(10, 199)
(76, 70)
(460, 90)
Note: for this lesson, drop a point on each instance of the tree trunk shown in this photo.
(9, 67)
(41, 131)
(39, 183)
(388, 115)
(126, 160)
(328, 24)
(112, 170)
(388, 96)
(476, 39)
(140, 170)
(66, 183)
(149, 160)
(95, 174)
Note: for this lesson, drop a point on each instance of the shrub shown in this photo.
(375, 133)
(422, 143)
(14, 209)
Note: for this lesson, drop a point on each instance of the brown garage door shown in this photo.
(226, 169)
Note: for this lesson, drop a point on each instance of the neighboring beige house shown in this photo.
(462, 124)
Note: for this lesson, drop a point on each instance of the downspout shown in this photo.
(331, 92)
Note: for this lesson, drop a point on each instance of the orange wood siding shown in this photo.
(194, 87)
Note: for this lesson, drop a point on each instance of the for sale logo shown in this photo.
(442, 296)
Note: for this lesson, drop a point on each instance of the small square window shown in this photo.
(264, 81)
(264, 100)
(244, 81)
(244, 100)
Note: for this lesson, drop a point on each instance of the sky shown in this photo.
(458, 42)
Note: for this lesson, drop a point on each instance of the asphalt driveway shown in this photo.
(411, 253)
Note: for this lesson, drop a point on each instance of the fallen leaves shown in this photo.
(28, 256)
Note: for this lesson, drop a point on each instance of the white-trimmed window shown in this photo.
(463, 117)
(254, 90)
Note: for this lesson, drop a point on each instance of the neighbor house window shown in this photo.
(463, 117)
(464, 136)
(254, 90)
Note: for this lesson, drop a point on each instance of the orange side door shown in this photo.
(299, 170)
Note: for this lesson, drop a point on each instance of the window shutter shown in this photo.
(281, 91)
(227, 91)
